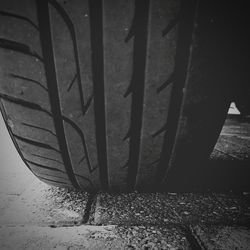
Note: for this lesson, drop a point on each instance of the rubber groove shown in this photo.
(184, 41)
(45, 179)
(33, 126)
(5, 13)
(19, 47)
(80, 133)
(71, 83)
(171, 25)
(35, 143)
(87, 105)
(71, 29)
(81, 160)
(50, 71)
(88, 180)
(28, 79)
(47, 158)
(139, 31)
(24, 103)
(166, 83)
(161, 130)
(2, 109)
(96, 36)
(42, 166)
(53, 176)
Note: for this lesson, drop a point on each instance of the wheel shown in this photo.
(113, 95)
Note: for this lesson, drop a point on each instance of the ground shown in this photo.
(37, 216)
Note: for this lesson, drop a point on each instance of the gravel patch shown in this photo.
(171, 208)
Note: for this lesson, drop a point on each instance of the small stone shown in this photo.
(233, 208)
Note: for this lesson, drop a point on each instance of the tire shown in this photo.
(113, 95)
(243, 105)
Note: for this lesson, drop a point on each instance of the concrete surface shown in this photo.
(223, 237)
(37, 216)
(173, 209)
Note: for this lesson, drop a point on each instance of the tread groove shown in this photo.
(86, 179)
(24, 103)
(45, 179)
(88, 103)
(6, 13)
(28, 79)
(58, 170)
(81, 160)
(187, 15)
(97, 58)
(19, 47)
(71, 28)
(138, 30)
(33, 126)
(153, 162)
(35, 143)
(171, 25)
(161, 130)
(166, 83)
(53, 176)
(43, 157)
(50, 72)
(71, 83)
(4, 114)
(42, 166)
(80, 133)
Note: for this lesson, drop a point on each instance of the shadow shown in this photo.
(227, 170)
(225, 175)
(239, 118)
(214, 175)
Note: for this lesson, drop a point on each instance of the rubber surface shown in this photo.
(112, 94)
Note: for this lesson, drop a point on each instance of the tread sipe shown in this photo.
(112, 95)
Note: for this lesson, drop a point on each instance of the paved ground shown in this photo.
(36, 216)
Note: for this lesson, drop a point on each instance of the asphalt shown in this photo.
(34, 215)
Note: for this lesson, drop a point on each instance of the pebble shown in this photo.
(233, 208)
